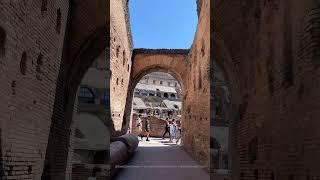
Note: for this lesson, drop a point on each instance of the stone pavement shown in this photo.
(158, 159)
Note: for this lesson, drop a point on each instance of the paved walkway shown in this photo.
(160, 160)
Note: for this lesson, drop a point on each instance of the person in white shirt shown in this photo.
(171, 131)
(139, 125)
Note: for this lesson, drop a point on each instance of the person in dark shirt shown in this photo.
(167, 128)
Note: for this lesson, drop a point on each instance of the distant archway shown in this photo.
(145, 61)
(157, 108)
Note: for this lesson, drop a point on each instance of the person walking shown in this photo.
(171, 132)
(179, 130)
(174, 131)
(139, 125)
(167, 128)
(147, 127)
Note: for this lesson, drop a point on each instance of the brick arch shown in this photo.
(173, 62)
(84, 42)
(66, 92)
(135, 79)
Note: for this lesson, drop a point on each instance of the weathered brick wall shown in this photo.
(274, 46)
(196, 110)
(157, 126)
(120, 60)
(31, 40)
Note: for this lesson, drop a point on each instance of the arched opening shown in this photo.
(92, 119)
(155, 110)
(63, 125)
(220, 117)
(3, 37)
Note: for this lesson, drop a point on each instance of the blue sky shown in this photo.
(163, 23)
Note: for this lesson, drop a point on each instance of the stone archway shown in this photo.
(81, 48)
(145, 61)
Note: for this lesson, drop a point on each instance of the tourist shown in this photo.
(94, 173)
(178, 129)
(147, 126)
(174, 130)
(139, 125)
(171, 131)
(167, 128)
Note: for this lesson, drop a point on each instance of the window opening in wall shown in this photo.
(44, 4)
(3, 37)
(124, 57)
(23, 63)
(58, 21)
(117, 51)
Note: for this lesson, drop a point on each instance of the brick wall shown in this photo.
(273, 45)
(157, 126)
(196, 112)
(120, 61)
(32, 34)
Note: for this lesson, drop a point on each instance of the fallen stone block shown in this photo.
(130, 140)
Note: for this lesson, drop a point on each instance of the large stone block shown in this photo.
(130, 140)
